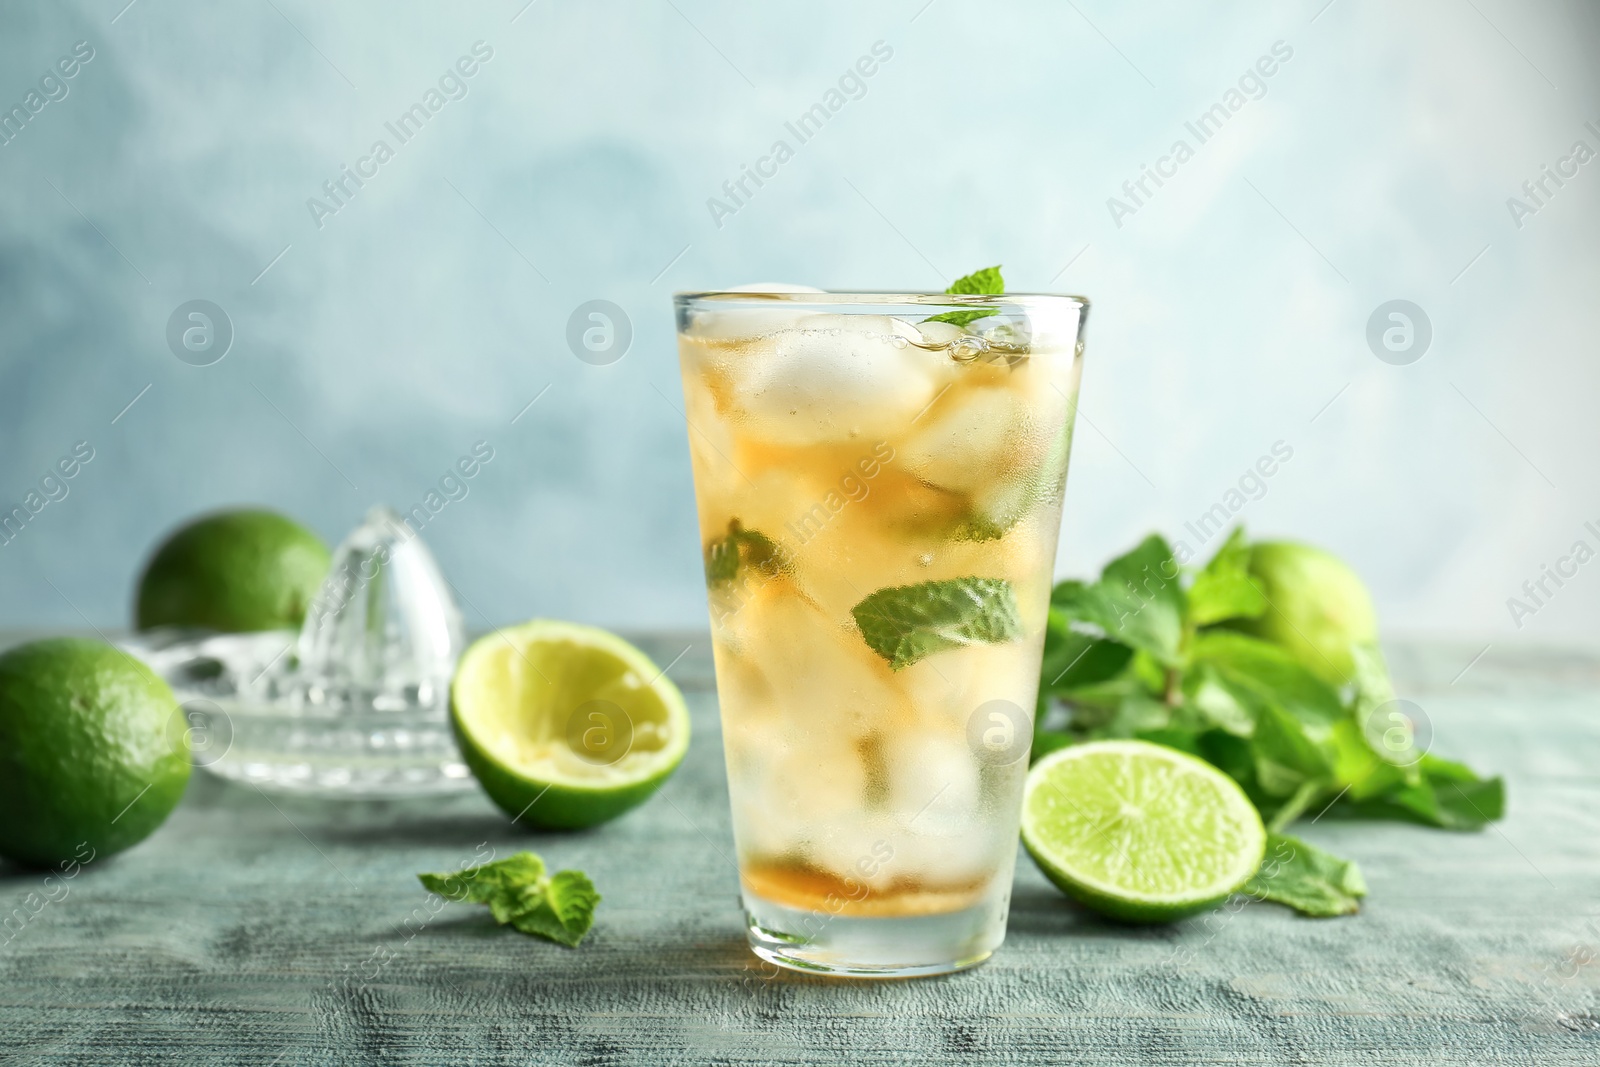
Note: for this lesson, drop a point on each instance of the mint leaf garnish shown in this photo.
(907, 622)
(985, 282)
(559, 908)
(1307, 879)
(741, 547)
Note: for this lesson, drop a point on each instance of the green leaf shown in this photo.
(1307, 879)
(985, 282)
(1282, 760)
(1073, 660)
(741, 548)
(1138, 601)
(1286, 757)
(1271, 673)
(1431, 790)
(560, 907)
(1371, 674)
(963, 318)
(907, 622)
(1359, 768)
(1068, 597)
(1372, 690)
(1047, 741)
(487, 883)
(1292, 741)
(1224, 589)
(1214, 698)
(1469, 805)
(1448, 795)
(1182, 740)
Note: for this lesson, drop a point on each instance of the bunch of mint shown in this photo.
(558, 907)
(1154, 652)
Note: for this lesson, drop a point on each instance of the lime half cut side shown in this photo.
(565, 725)
(1138, 831)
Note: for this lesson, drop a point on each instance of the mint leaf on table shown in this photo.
(1307, 879)
(1224, 589)
(907, 622)
(985, 282)
(741, 548)
(559, 908)
(1406, 784)
(487, 883)
(1448, 795)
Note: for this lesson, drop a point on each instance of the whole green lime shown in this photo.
(93, 751)
(233, 571)
(1318, 607)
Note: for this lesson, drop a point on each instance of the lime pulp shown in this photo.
(1138, 831)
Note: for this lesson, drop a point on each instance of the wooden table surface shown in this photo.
(267, 930)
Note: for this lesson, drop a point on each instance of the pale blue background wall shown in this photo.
(1230, 310)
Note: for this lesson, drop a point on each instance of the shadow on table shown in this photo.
(1042, 910)
(429, 820)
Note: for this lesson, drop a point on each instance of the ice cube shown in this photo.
(788, 782)
(947, 853)
(749, 319)
(972, 437)
(816, 671)
(834, 377)
(858, 848)
(930, 775)
(948, 689)
(939, 334)
(744, 323)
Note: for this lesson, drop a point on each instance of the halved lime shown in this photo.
(1138, 831)
(565, 725)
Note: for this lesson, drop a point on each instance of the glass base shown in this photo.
(848, 946)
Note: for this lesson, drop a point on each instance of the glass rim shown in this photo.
(868, 298)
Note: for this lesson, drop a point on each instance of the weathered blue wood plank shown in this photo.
(264, 931)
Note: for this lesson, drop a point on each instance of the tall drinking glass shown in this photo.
(879, 480)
